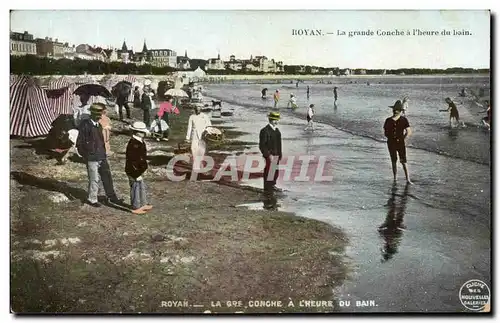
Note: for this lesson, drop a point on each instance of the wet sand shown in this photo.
(194, 246)
(446, 216)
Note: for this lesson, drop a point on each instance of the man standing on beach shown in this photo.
(90, 145)
(122, 93)
(270, 147)
(308, 92)
(397, 130)
(335, 93)
(147, 102)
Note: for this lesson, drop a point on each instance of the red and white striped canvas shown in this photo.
(132, 79)
(13, 78)
(30, 114)
(64, 103)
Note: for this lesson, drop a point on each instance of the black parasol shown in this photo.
(122, 89)
(93, 90)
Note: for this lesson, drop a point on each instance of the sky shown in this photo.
(204, 34)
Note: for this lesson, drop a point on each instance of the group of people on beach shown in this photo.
(94, 128)
(91, 141)
(292, 103)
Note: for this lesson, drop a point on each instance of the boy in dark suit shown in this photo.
(135, 166)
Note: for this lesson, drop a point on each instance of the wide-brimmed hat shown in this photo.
(398, 106)
(311, 106)
(274, 115)
(447, 99)
(147, 83)
(97, 108)
(139, 126)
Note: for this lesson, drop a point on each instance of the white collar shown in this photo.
(95, 123)
(137, 138)
(273, 126)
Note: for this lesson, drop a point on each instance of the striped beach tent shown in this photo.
(130, 78)
(13, 78)
(60, 95)
(30, 114)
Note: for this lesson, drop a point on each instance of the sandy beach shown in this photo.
(196, 246)
(206, 242)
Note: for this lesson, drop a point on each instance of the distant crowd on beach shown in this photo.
(397, 128)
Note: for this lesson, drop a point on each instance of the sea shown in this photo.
(445, 238)
(363, 105)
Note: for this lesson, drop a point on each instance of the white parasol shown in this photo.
(177, 93)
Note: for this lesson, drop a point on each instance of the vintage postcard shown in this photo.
(246, 162)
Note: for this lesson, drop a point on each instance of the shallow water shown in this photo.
(445, 215)
(362, 109)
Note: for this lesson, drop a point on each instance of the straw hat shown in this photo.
(97, 108)
(398, 106)
(274, 115)
(139, 126)
(147, 83)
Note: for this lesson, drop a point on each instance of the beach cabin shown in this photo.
(60, 95)
(30, 112)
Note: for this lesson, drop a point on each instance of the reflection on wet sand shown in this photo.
(392, 228)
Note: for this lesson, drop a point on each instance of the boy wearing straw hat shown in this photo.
(135, 166)
(397, 130)
(90, 145)
(270, 147)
